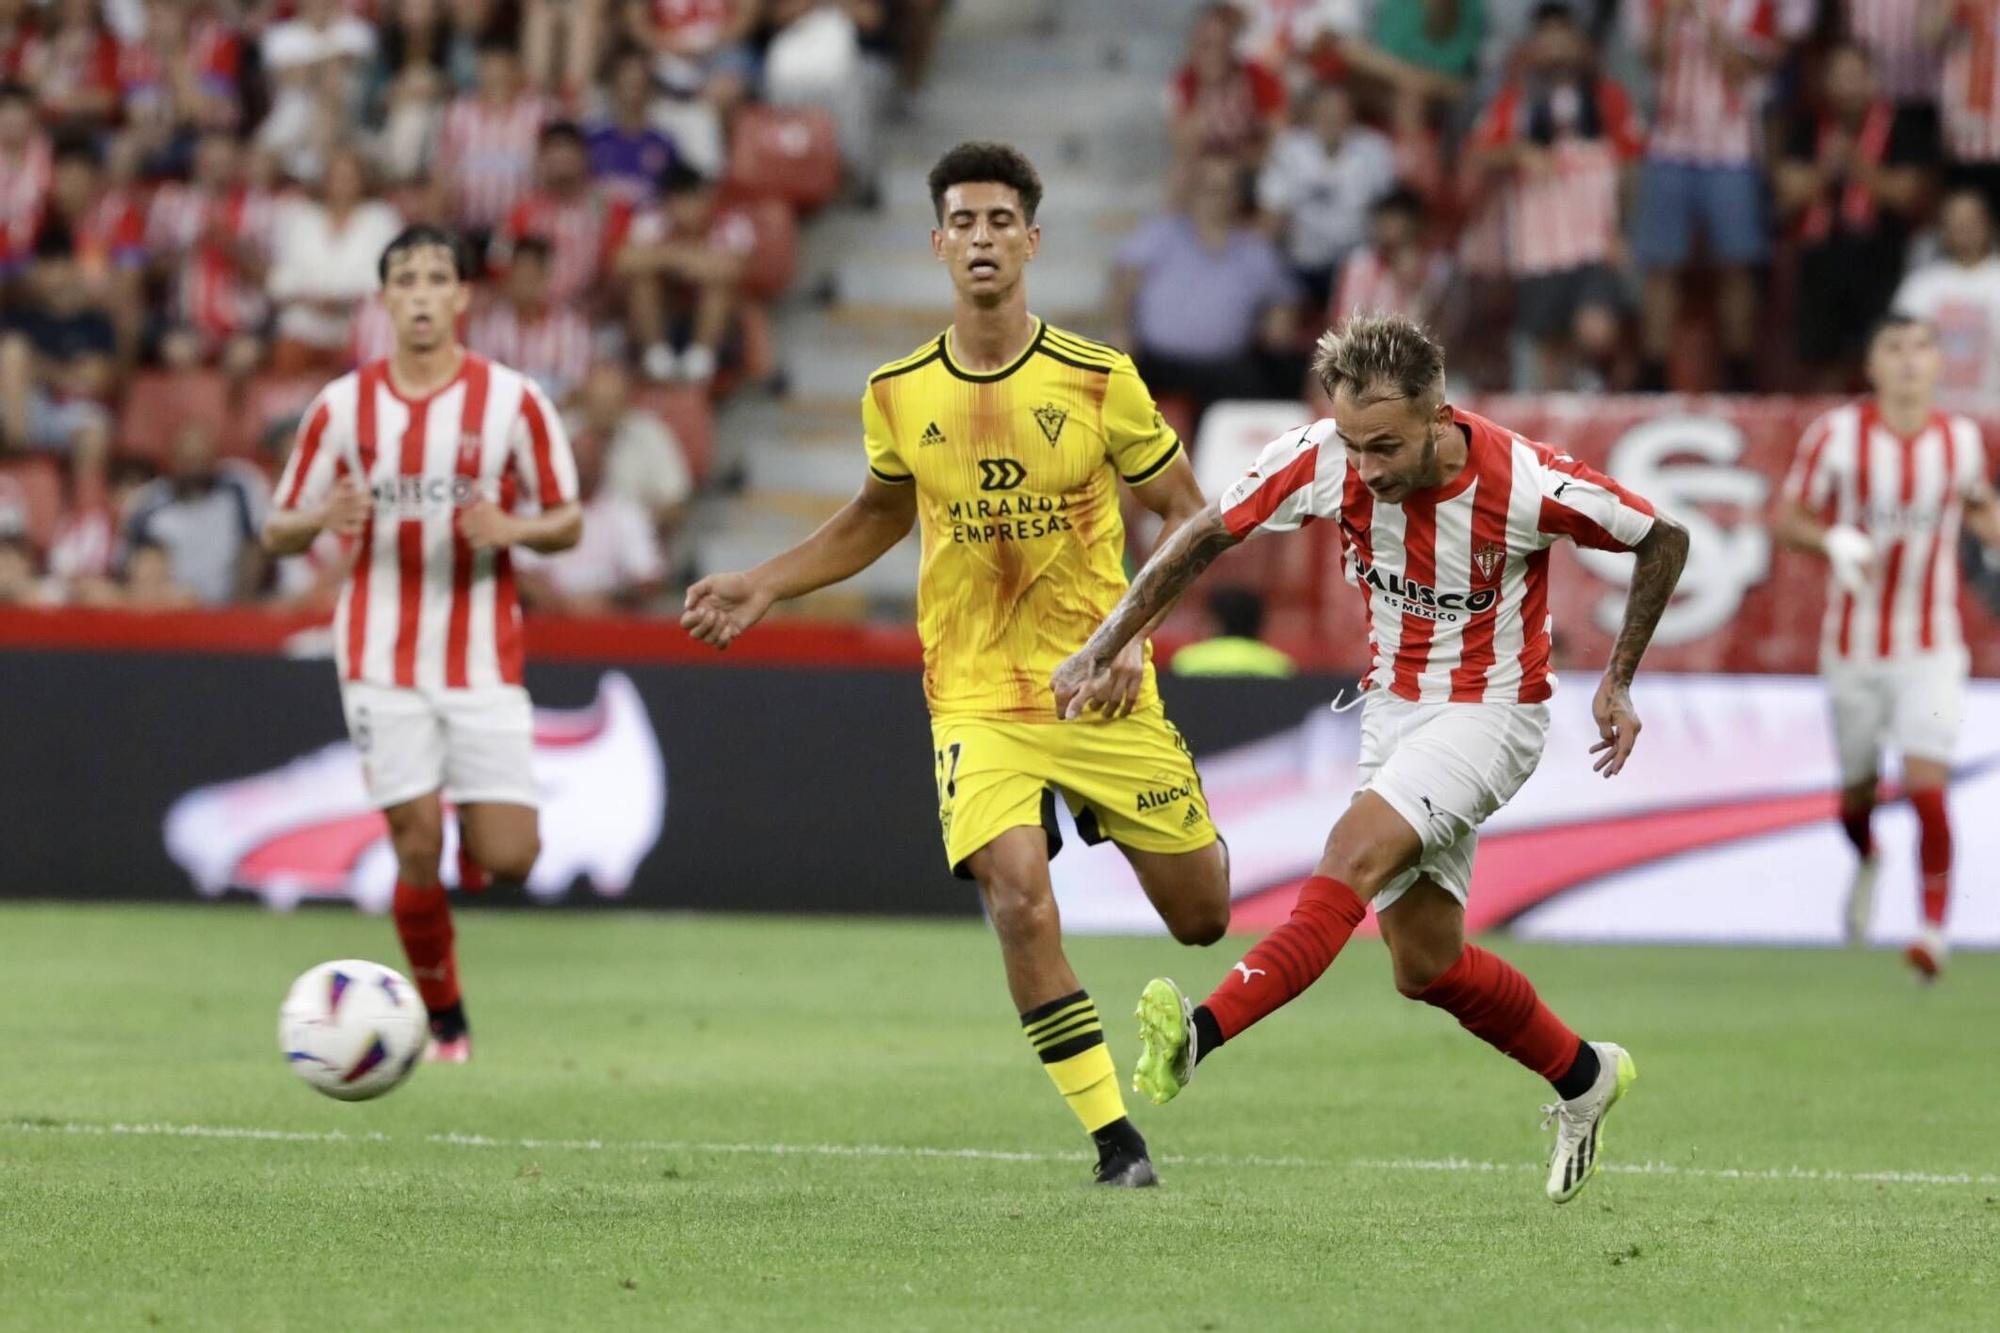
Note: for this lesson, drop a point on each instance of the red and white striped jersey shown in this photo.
(420, 608)
(1567, 217)
(1908, 495)
(1456, 579)
(1706, 114)
(582, 233)
(1892, 32)
(553, 348)
(196, 227)
(1370, 285)
(490, 154)
(1969, 98)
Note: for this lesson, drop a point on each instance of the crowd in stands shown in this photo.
(194, 195)
(1624, 195)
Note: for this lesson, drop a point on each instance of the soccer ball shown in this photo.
(352, 1029)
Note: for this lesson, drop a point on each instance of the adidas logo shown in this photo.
(1189, 820)
(932, 435)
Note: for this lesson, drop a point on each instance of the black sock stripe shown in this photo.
(1042, 1011)
(1085, 1023)
(1037, 1031)
(1074, 1046)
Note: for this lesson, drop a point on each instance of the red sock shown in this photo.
(1859, 831)
(472, 876)
(423, 923)
(1290, 958)
(1495, 1003)
(1933, 850)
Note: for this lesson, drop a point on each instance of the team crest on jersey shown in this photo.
(1487, 557)
(1051, 418)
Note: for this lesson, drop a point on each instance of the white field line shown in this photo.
(1449, 1165)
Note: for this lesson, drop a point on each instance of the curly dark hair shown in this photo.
(999, 163)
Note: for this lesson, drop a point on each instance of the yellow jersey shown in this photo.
(1017, 475)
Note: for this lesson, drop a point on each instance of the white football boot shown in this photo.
(1861, 900)
(1579, 1122)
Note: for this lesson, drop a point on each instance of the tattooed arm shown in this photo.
(1661, 553)
(1084, 680)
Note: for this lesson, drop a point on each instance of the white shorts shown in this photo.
(474, 745)
(1445, 768)
(1911, 705)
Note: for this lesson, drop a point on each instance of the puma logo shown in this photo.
(1249, 972)
(1560, 489)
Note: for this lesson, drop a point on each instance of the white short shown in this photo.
(475, 745)
(1911, 705)
(1445, 768)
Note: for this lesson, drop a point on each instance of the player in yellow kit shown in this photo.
(1005, 439)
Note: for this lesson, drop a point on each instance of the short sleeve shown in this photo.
(1278, 493)
(1588, 507)
(314, 463)
(885, 463)
(1137, 437)
(1810, 481)
(542, 455)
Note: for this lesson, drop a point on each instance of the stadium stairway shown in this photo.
(1080, 86)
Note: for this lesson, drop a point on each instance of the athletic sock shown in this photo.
(1860, 830)
(449, 1023)
(1068, 1037)
(1582, 1073)
(1120, 1138)
(1290, 958)
(1495, 1003)
(472, 876)
(1933, 851)
(423, 923)
(1207, 1032)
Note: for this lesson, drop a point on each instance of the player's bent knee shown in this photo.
(1414, 976)
(1022, 916)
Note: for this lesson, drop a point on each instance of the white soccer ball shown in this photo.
(353, 1029)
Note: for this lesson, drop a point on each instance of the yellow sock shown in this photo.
(1067, 1035)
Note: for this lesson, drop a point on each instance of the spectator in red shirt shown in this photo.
(17, 35)
(1396, 272)
(568, 210)
(1222, 104)
(700, 47)
(209, 243)
(73, 67)
(109, 237)
(681, 269)
(489, 141)
(531, 329)
(26, 161)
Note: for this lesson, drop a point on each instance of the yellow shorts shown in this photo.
(1129, 780)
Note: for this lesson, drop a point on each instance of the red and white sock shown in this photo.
(423, 923)
(1934, 851)
(1492, 1000)
(1290, 958)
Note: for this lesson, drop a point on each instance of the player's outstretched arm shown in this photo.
(722, 606)
(1084, 679)
(290, 531)
(1661, 553)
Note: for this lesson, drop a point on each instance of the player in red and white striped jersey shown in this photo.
(1446, 521)
(437, 463)
(1880, 489)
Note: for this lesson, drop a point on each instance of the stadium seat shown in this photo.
(159, 402)
(34, 486)
(686, 409)
(771, 266)
(785, 153)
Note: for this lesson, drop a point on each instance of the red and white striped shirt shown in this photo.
(1707, 115)
(1892, 33)
(420, 608)
(1969, 99)
(490, 153)
(582, 233)
(1568, 217)
(554, 348)
(1456, 579)
(197, 227)
(24, 191)
(1370, 285)
(1908, 496)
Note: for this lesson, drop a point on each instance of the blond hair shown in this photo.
(1381, 356)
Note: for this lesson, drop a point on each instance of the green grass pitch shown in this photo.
(698, 1123)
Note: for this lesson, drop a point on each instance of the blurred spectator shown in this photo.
(323, 264)
(1558, 139)
(628, 153)
(20, 581)
(815, 57)
(1701, 177)
(528, 328)
(1235, 646)
(490, 139)
(206, 514)
(27, 160)
(1959, 294)
(643, 462)
(181, 76)
(1894, 35)
(147, 583)
(72, 64)
(109, 237)
(700, 48)
(1205, 298)
(405, 148)
(1222, 105)
(618, 565)
(209, 241)
(681, 270)
(1322, 177)
(568, 211)
(1969, 101)
(1424, 51)
(561, 41)
(17, 33)
(315, 61)
(1396, 272)
(1851, 176)
(57, 356)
